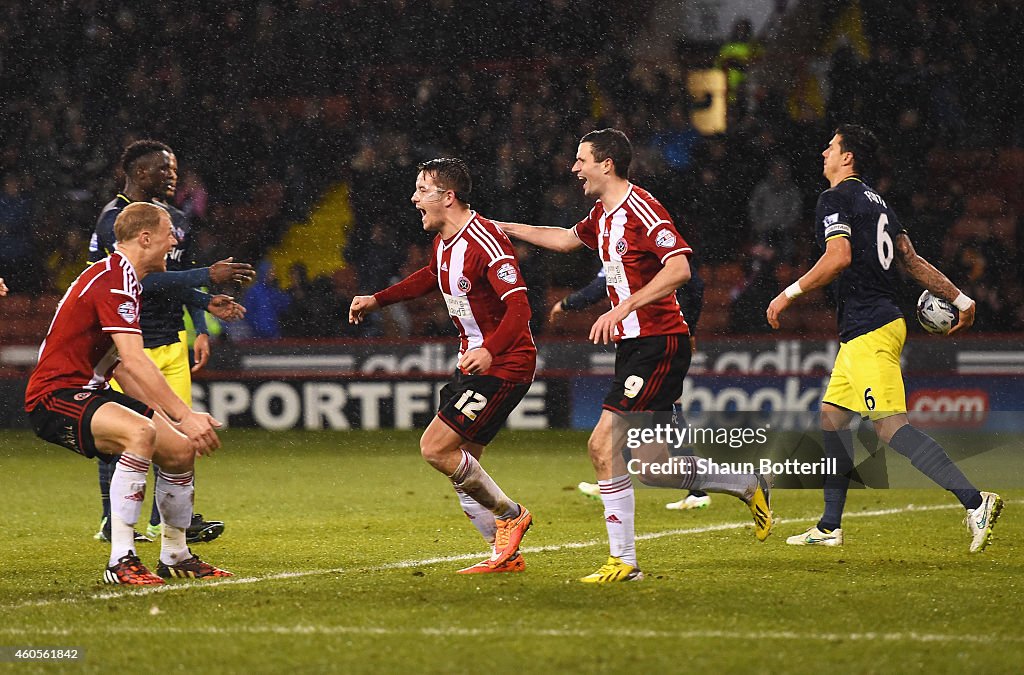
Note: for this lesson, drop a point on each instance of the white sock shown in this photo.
(127, 490)
(619, 512)
(482, 518)
(175, 493)
(471, 478)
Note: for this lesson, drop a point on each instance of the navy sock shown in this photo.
(838, 445)
(680, 422)
(929, 458)
(106, 473)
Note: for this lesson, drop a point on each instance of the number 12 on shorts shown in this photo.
(470, 403)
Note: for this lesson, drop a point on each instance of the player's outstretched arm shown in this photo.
(416, 285)
(220, 272)
(833, 261)
(361, 306)
(558, 239)
(581, 299)
(928, 276)
(221, 306)
(176, 280)
(141, 379)
(674, 274)
(225, 308)
(227, 270)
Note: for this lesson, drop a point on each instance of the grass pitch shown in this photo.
(345, 547)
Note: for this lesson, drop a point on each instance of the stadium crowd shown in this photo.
(267, 104)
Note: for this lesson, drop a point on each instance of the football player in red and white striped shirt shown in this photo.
(70, 403)
(645, 260)
(475, 267)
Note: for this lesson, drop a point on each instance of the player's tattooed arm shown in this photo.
(922, 271)
(928, 276)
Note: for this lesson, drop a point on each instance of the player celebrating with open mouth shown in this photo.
(70, 402)
(475, 266)
(645, 261)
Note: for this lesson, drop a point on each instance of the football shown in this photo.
(935, 314)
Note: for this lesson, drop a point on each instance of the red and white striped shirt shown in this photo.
(634, 239)
(476, 271)
(78, 351)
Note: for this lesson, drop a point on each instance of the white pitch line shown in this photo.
(404, 564)
(457, 631)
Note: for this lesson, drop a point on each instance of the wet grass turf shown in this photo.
(332, 536)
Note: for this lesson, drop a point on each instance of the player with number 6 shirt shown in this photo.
(861, 239)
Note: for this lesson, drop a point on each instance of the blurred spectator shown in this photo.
(268, 129)
(531, 264)
(974, 275)
(679, 142)
(750, 298)
(68, 260)
(774, 209)
(378, 259)
(265, 303)
(710, 215)
(191, 196)
(298, 319)
(17, 250)
(845, 82)
(735, 57)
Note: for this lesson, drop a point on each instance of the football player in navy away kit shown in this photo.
(645, 260)
(691, 301)
(861, 238)
(475, 266)
(150, 169)
(94, 331)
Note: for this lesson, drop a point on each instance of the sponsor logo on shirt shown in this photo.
(128, 311)
(621, 246)
(665, 239)
(464, 285)
(507, 273)
(444, 267)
